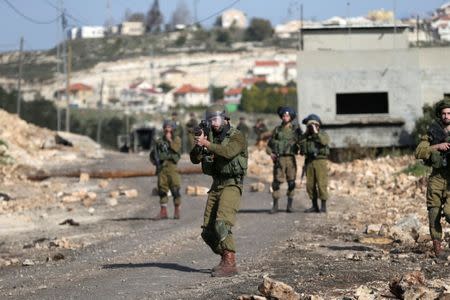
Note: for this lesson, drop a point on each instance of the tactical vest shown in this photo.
(218, 166)
(437, 135)
(284, 141)
(165, 152)
(312, 149)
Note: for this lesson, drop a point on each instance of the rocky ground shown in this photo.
(84, 237)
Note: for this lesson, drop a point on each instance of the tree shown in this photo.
(259, 30)
(154, 18)
(181, 15)
(223, 36)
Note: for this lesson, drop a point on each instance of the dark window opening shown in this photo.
(447, 95)
(362, 103)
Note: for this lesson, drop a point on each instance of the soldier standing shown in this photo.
(165, 156)
(222, 151)
(282, 148)
(433, 150)
(190, 125)
(260, 129)
(178, 129)
(314, 145)
(242, 127)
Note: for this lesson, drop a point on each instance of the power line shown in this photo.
(29, 18)
(63, 11)
(219, 12)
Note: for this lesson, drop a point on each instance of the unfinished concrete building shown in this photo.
(371, 97)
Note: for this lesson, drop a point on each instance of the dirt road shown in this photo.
(120, 253)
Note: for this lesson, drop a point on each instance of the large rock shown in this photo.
(412, 286)
(274, 289)
(76, 140)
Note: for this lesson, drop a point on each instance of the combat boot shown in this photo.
(162, 214)
(289, 205)
(274, 209)
(314, 208)
(323, 206)
(228, 267)
(215, 268)
(176, 213)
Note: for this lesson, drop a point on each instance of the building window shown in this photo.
(362, 103)
(447, 95)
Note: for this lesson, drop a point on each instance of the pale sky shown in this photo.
(15, 15)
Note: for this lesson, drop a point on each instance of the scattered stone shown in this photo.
(4, 197)
(28, 262)
(112, 201)
(130, 193)
(114, 194)
(257, 187)
(91, 210)
(58, 256)
(49, 143)
(196, 190)
(251, 297)
(378, 240)
(373, 228)
(71, 222)
(103, 184)
(274, 289)
(84, 177)
(408, 285)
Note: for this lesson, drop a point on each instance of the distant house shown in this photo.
(189, 95)
(132, 28)
(86, 32)
(272, 70)
(442, 26)
(232, 95)
(248, 82)
(80, 95)
(234, 17)
(288, 30)
(143, 97)
(290, 71)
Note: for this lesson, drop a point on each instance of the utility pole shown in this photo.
(349, 27)
(58, 68)
(19, 83)
(300, 36)
(100, 111)
(417, 30)
(395, 23)
(195, 12)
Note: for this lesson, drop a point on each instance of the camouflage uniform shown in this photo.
(315, 148)
(226, 161)
(243, 128)
(438, 188)
(283, 147)
(190, 125)
(168, 154)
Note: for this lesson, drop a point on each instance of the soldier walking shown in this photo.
(222, 151)
(314, 145)
(190, 125)
(433, 150)
(242, 127)
(165, 156)
(282, 148)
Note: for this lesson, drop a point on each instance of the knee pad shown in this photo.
(162, 194)
(275, 185)
(222, 229)
(291, 185)
(175, 192)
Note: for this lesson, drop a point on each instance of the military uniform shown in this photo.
(225, 160)
(315, 148)
(260, 129)
(165, 156)
(283, 146)
(243, 128)
(190, 125)
(438, 188)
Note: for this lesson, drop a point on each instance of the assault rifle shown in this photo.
(154, 157)
(202, 127)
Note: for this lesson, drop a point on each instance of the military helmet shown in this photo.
(444, 103)
(216, 110)
(286, 110)
(312, 117)
(169, 123)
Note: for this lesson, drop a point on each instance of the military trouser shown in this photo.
(169, 179)
(317, 179)
(438, 196)
(220, 216)
(284, 169)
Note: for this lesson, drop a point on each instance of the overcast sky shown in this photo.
(15, 15)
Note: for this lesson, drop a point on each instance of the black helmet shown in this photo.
(444, 103)
(216, 110)
(312, 117)
(168, 123)
(286, 110)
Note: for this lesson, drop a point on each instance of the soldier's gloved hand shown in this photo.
(201, 140)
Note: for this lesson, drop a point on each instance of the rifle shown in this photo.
(204, 128)
(154, 157)
(303, 173)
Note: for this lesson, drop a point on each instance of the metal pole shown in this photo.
(100, 111)
(395, 23)
(69, 67)
(19, 83)
(417, 31)
(301, 27)
(349, 27)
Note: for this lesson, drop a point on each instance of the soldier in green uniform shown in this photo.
(178, 129)
(242, 127)
(165, 156)
(222, 151)
(314, 145)
(190, 125)
(260, 129)
(433, 150)
(282, 148)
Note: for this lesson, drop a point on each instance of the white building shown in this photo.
(143, 97)
(86, 32)
(442, 26)
(189, 95)
(132, 28)
(272, 70)
(234, 17)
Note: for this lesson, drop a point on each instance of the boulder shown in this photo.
(274, 289)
